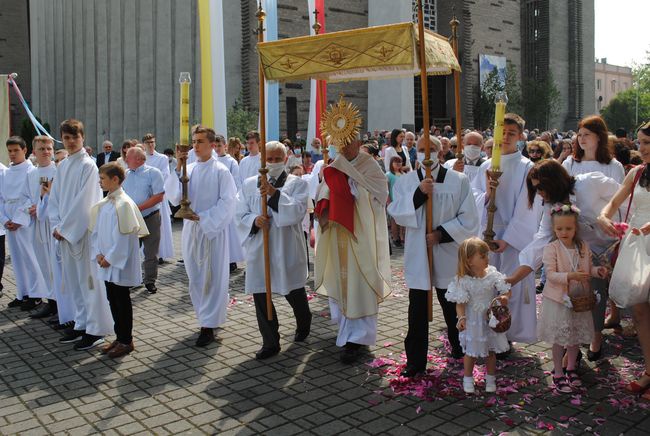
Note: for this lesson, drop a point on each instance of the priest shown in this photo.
(205, 234)
(352, 264)
(287, 205)
(454, 220)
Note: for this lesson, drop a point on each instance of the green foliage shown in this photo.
(28, 132)
(541, 99)
(621, 110)
(241, 120)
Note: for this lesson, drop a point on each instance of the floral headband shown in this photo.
(565, 208)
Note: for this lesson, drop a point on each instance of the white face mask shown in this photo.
(434, 157)
(472, 152)
(275, 169)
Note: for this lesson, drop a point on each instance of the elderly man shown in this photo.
(446, 154)
(316, 150)
(287, 205)
(409, 141)
(108, 155)
(472, 148)
(455, 219)
(145, 185)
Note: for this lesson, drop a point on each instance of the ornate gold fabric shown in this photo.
(361, 54)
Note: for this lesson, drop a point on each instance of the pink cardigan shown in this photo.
(557, 265)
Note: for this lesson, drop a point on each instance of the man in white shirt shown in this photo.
(472, 160)
(250, 165)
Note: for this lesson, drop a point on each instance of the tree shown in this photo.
(513, 90)
(621, 110)
(240, 120)
(484, 109)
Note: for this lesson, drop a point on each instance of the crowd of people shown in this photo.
(560, 207)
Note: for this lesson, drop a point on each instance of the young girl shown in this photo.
(566, 259)
(394, 171)
(473, 288)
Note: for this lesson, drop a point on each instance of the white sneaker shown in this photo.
(490, 383)
(468, 385)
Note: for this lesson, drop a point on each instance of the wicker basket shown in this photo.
(582, 299)
(502, 314)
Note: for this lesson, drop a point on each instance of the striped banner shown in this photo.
(272, 89)
(213, 70)
(315, 105)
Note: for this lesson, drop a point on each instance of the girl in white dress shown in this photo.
(639, 225)
(474, 287)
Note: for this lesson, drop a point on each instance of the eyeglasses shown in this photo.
(534, 151)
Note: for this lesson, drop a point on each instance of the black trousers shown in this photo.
(417, 338)
(270, 329)
(119, 299)
(2, 259)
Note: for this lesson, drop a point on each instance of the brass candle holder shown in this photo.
(185, 212)
(488, 234)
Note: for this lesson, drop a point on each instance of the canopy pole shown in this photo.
(319, 88)
(459, 125)
(263, 170)
(427, 149)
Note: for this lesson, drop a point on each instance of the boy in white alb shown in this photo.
(14, 216)
(116, 224)
(74, 191)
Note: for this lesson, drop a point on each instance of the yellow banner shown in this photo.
(360, 54)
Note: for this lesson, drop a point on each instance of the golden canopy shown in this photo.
(380, 52)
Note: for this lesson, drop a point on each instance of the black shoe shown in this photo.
(180, 261)
(301, 336)
(29, 304)
(505, 354)
(397, 244)
(411, 371)
(71, 335)
(593, 356)
(539, 288)
(161, 261)
(151, 288)
(15, 303)
(205, 338)
(65, 326)
(233, 267)
(88, 341)
(457, 354)
(350, 353)
(43, 311)
(265, 353)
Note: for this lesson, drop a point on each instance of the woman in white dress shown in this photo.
(397, 149)
(639, 224)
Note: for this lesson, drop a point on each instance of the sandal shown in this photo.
(637, 388)
(573, 378)
(562, 385)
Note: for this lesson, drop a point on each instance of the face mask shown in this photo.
(275, 169)
(332, 151)
(420, 157)
(472, 152)
(296, 152)
(434, 157)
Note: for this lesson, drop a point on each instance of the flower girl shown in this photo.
(475, 286)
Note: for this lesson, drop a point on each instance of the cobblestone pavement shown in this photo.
(167, 386)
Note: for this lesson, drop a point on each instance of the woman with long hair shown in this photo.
(396, 149)
(234, 148)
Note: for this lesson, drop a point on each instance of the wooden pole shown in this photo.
(263, 170)
(459, 125)
(427, 149)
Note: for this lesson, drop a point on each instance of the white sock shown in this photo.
(491, 379)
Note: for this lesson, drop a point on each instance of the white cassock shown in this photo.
(166, 247)
(288, 258)
(2, 227)
(470, 169)
(42, 232)
(235, 248)
(515, 223)
(74, 191)
(249, 167)
(354, 270)
(13, 207)
(121, 250)
(614, 169)
(592, 193)
(205, 242)
(453, 209)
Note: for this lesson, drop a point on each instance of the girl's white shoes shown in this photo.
(490, 384)
(468, 385)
